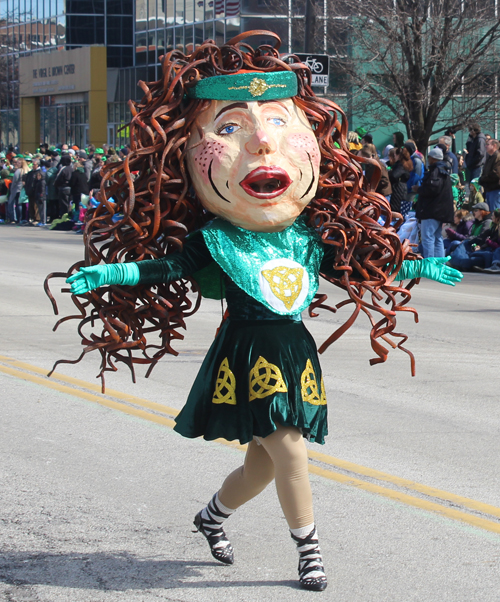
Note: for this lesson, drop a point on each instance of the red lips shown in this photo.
(266, 182)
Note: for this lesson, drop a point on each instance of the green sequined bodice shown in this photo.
(278, 269)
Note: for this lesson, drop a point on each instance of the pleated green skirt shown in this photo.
(257, 374)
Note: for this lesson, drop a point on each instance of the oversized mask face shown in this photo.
(255, 164)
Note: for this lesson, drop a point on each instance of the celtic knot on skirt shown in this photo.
(257, 373)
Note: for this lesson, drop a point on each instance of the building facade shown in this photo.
(135, 34)
(35, 27)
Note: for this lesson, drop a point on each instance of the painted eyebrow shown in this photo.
(263, 102)
(234, 105)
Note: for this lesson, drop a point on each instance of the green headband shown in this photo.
(247, 86)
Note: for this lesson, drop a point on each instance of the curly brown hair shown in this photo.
(148, 207)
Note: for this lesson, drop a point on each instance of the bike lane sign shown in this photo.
(319, 64)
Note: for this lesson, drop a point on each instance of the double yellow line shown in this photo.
(449, 505)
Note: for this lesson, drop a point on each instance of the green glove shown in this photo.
(433, 268)
(95, 276)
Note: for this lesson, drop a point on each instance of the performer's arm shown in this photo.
(194, 256)
(434, 268)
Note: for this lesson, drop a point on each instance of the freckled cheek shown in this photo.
(303, 146)
(209, 152)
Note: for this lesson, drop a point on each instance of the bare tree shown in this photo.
(425, 63)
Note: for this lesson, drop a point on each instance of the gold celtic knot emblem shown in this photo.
(265, 379)
(309, 387)
(225, 385)
(285, 283)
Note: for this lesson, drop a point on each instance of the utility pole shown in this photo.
(310, 28)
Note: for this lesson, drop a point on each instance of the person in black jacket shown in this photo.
(476, 151)
(490, 178)
(96, 177)
(78, 184)
(29, 180)
(40, 195)
(435, 204)
(398, 176)
(62, 184)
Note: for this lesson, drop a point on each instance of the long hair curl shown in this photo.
(147, 208)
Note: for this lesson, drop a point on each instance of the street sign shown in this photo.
(319, 64)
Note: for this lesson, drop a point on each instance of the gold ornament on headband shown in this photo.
(258, 86)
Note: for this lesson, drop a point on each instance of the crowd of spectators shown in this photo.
(448, 204)
(53, 187)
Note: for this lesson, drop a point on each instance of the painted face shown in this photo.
(256, 163)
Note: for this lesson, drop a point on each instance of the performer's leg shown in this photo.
(241, 485)
(248, 480)
(288, 452)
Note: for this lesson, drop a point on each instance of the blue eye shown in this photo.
(228, 129)
(277, 121)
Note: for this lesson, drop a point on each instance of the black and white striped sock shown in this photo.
(213, 515)
(311, 567)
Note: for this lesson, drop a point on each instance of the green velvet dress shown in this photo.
(262, 368)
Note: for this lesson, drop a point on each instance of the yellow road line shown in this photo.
(328, 474)
(88, 396)
(399, 482)
(409, 500)
(152, 405)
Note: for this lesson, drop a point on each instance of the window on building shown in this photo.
(85, 29)
(119, 30)
(120, 7)
(120, 56)
(90, 7)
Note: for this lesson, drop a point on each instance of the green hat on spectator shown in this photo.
(475, 183)
(19, 156)
(98, 151)
(2, 155)
(361, 132)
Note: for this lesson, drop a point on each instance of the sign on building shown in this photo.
(319, 64)
(61, 72)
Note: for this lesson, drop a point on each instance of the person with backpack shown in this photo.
(435, 204)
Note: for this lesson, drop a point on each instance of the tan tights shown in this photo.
(281, 456)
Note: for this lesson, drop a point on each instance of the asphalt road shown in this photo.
(98, 493)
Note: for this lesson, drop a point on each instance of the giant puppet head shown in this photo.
(253, 158)
(237, 132)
